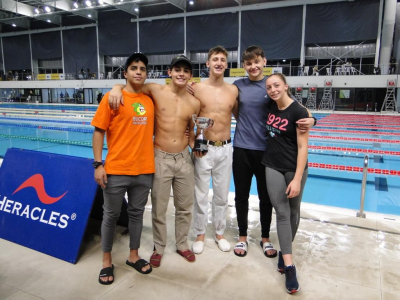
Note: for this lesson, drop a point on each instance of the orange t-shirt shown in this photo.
(129, 133)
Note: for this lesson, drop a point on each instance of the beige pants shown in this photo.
(176, 170)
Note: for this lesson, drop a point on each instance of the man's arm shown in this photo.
(190, 87)
(115, 97)
(100, 175)
(306, 123)
(192, 135)
(235, 109)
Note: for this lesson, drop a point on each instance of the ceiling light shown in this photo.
(191, 2)
(136, 8)
(76, 5)
(46, 8)
(37, 10)
(101, 2)
(48, 21)
(88, 3)
(89, 15)
(13, 25)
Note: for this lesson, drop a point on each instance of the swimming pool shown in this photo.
(337, 148)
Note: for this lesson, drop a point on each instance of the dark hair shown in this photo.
(217, 50)
(252, 52)
(281, 76)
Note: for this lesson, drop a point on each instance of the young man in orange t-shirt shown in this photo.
(129, 165)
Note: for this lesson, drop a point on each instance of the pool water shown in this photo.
(337, 147)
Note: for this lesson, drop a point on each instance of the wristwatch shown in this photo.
(97, 164)
(315, 120)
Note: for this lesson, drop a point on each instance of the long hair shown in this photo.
(281, 76)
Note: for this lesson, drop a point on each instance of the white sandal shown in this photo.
(268, 246)
(241, 246)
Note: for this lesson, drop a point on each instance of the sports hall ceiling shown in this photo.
(23, 15)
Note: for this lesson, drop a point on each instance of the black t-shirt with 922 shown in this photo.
(281, 153)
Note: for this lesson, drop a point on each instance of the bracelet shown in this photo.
(315, 120)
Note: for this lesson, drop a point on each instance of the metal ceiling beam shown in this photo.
(68, 6)
(178, 3)
(53, 18)
(275, 4)
(238, 2)
(63, 5)
(22, 22)
(128, 7)
(46, 30)
(17, 7)
(93, 13)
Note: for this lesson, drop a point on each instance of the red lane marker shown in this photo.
(354, 169)
(357, 127)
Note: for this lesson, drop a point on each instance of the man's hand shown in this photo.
(190, 88)
(100, 176)
(199, 154)
(305, 124)
(187, 132)
(115, 97)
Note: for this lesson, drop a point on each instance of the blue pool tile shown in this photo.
(381, 184)
(378, 159)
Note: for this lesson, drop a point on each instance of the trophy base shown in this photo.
(200, 146)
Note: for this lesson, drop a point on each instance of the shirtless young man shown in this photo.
(217, 101)
(174, 108)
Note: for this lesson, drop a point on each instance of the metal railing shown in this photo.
(361, 213)
(287, 70)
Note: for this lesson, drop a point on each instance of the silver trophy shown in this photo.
(200, 143)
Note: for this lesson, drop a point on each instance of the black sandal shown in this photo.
(107, 272)
(139, 265)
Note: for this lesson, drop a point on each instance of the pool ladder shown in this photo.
(361, 213)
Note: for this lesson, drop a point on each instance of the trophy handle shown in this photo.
(194, 117)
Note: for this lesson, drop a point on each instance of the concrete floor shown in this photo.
(334, 261)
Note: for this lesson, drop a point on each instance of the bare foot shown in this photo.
(201, 238)
(144, 269)
(107, 263)
(267, 240)
(219, 236)
(241, 239)
(134, 257)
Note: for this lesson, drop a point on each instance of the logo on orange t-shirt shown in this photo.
(139, 109)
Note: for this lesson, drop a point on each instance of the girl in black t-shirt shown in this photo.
(286, 169)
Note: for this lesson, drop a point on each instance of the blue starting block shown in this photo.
(45, 201)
